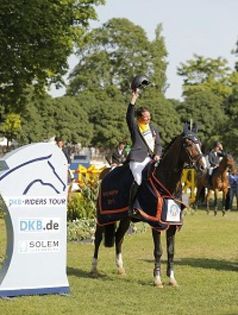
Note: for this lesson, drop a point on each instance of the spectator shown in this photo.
(118, 156)
(60, 143)
(233, 180)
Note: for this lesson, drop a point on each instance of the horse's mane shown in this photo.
(169, 145)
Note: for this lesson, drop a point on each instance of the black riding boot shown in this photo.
(132, 197)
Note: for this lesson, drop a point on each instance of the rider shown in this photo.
(214, 158)
(215, 155)
(145, 144)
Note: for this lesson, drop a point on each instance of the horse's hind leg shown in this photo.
(224, 194)
(97, 242)
(158, 251)
(170, 238)
(215, 201)
(119, 237)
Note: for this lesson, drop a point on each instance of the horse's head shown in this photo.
(229, 162)
(183, 152)
(191, 153)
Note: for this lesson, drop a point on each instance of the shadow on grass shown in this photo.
(86, 274)
(206, 263)
(104, 277)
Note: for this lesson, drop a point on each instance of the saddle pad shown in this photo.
(113, 198)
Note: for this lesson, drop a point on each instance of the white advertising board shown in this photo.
(33, 189)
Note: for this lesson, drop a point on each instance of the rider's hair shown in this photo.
(141, 110)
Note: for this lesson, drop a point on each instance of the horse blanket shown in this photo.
(154, 203)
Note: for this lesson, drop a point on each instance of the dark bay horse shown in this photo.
(219, 183)
(184, 150)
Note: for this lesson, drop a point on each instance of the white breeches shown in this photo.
(137, 168)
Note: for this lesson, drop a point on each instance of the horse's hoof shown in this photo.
(159, 285)
(94, 273)
(121, 271)
(173, 283)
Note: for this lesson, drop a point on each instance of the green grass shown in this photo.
(206, 268)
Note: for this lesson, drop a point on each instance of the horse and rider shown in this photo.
(219, 165)
(149, 174)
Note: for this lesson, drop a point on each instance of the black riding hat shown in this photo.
(140, 81)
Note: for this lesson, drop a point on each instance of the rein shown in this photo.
(158, 186)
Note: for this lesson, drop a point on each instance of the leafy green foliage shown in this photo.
(206, 74)
(80, 230)
(36, 38)
(83, 205)
(117, 52)
(230, 131)
(11, 126)
(106, 116)
(205, 109)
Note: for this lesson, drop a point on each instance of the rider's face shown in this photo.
(145, 118)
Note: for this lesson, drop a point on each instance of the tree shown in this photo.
(36, 38)
(230, 131)
(206, 74)
(236, 53)
(11, 127)
(106, 111)
(37, 123)
(206, 109)
(45, 117)
(71, 120)
(117, 52)
(158, 61)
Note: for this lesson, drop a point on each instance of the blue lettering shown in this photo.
(23, 225)
(39, 225)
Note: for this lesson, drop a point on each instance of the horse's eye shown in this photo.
(188, 142)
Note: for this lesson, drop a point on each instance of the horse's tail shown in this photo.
(109, 235)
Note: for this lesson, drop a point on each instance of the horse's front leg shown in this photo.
(170, 238)
(158, 251)
(196, 202)
(97, 242)
(119, 237)
(208, 196)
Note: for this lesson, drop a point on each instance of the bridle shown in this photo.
(192, 160)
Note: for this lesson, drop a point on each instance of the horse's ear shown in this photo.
(195, 128)
(186, 127)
